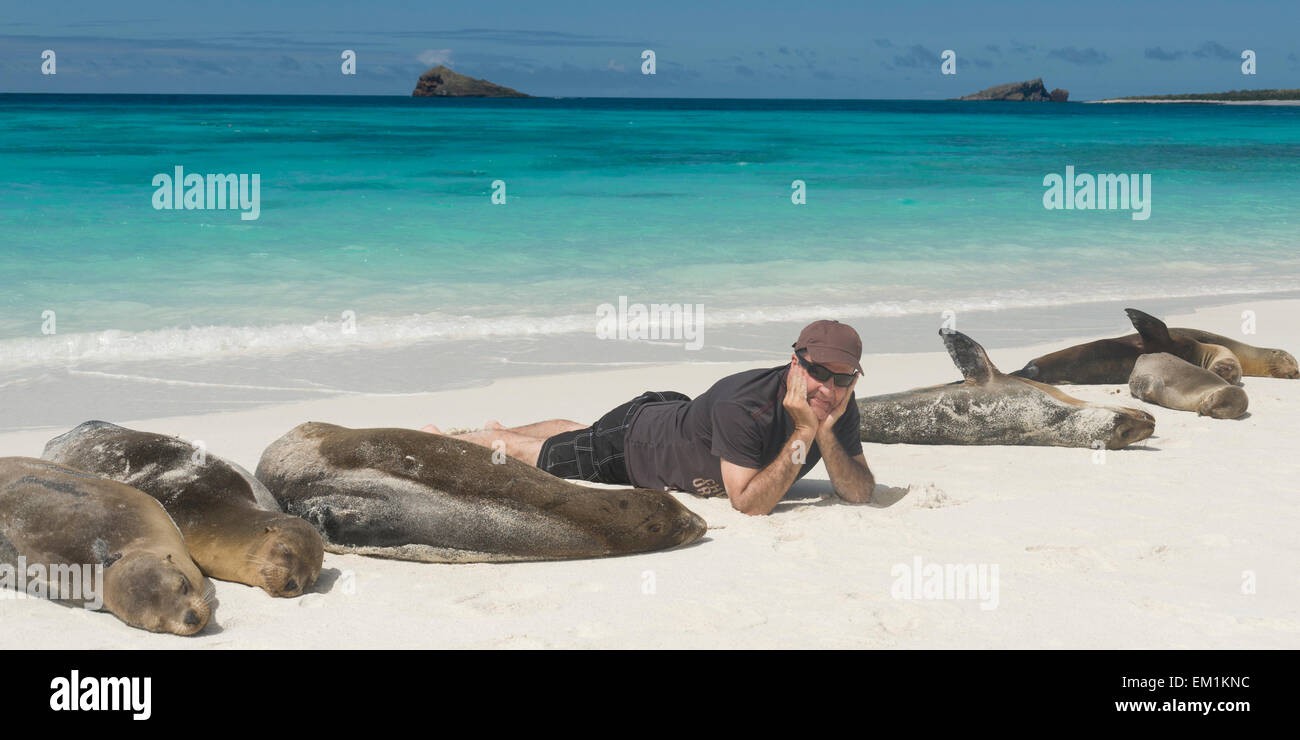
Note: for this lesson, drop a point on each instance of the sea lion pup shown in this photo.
(59, 518)
(1174, 383)
(1259, 362)
(233, 527)
(411, 495)
(992, 408)
(1111, 360)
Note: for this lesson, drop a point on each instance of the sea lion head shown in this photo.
(686, 527)
(1282, 364)
(662, 522)
(1221, 361)
(1228, 402)
(287, 557)
(1228, 368)
(160, 593)
(1129, 426)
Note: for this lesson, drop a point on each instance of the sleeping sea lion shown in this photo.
(411, 495)
(61, 519)
(1174, 383)
(1111, 360)
(1259, 362)
(992, 408)
(233, 527)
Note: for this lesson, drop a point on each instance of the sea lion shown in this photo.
(233, 527)
(1174, 383)
(1258, 362)
(54, 516)
(992, 408)
(1111, 360)
(411, 495)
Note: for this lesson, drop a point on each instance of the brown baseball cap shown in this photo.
(831, 341)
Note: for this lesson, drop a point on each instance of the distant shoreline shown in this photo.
(290, 99)
(1198, 101)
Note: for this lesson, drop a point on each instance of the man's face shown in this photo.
(824, 397)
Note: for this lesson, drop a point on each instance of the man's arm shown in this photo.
(754, 491)
(850, 477)
(757, 491)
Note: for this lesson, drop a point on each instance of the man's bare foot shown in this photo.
(431, 429)
(493, 425)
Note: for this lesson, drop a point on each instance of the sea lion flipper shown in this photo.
(261, 495)
(1154, 332)
(969, 357)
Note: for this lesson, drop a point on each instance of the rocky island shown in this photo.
(1033, 90)
(441, 82)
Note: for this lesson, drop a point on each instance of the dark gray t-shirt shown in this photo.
(680, 444)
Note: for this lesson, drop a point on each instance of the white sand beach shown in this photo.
(1187, 540)
(1201, 101)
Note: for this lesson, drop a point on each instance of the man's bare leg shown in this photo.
(522, 443)
(519, 446)
(541, 430)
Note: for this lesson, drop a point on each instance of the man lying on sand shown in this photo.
(757, 431)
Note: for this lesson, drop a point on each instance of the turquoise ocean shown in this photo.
(377, 213)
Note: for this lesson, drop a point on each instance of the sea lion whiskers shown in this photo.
(210, 594)
(157, 593)
(1282, 364)
(283, 570)
(1135, 426)
(274, 573)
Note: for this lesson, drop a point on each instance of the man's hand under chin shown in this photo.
(834, 416)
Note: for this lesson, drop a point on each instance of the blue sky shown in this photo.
(720, 48)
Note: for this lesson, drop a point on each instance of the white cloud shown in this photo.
(434, 57)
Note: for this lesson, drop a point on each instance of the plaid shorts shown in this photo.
(596, 452)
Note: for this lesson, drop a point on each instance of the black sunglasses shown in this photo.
(821, 373)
